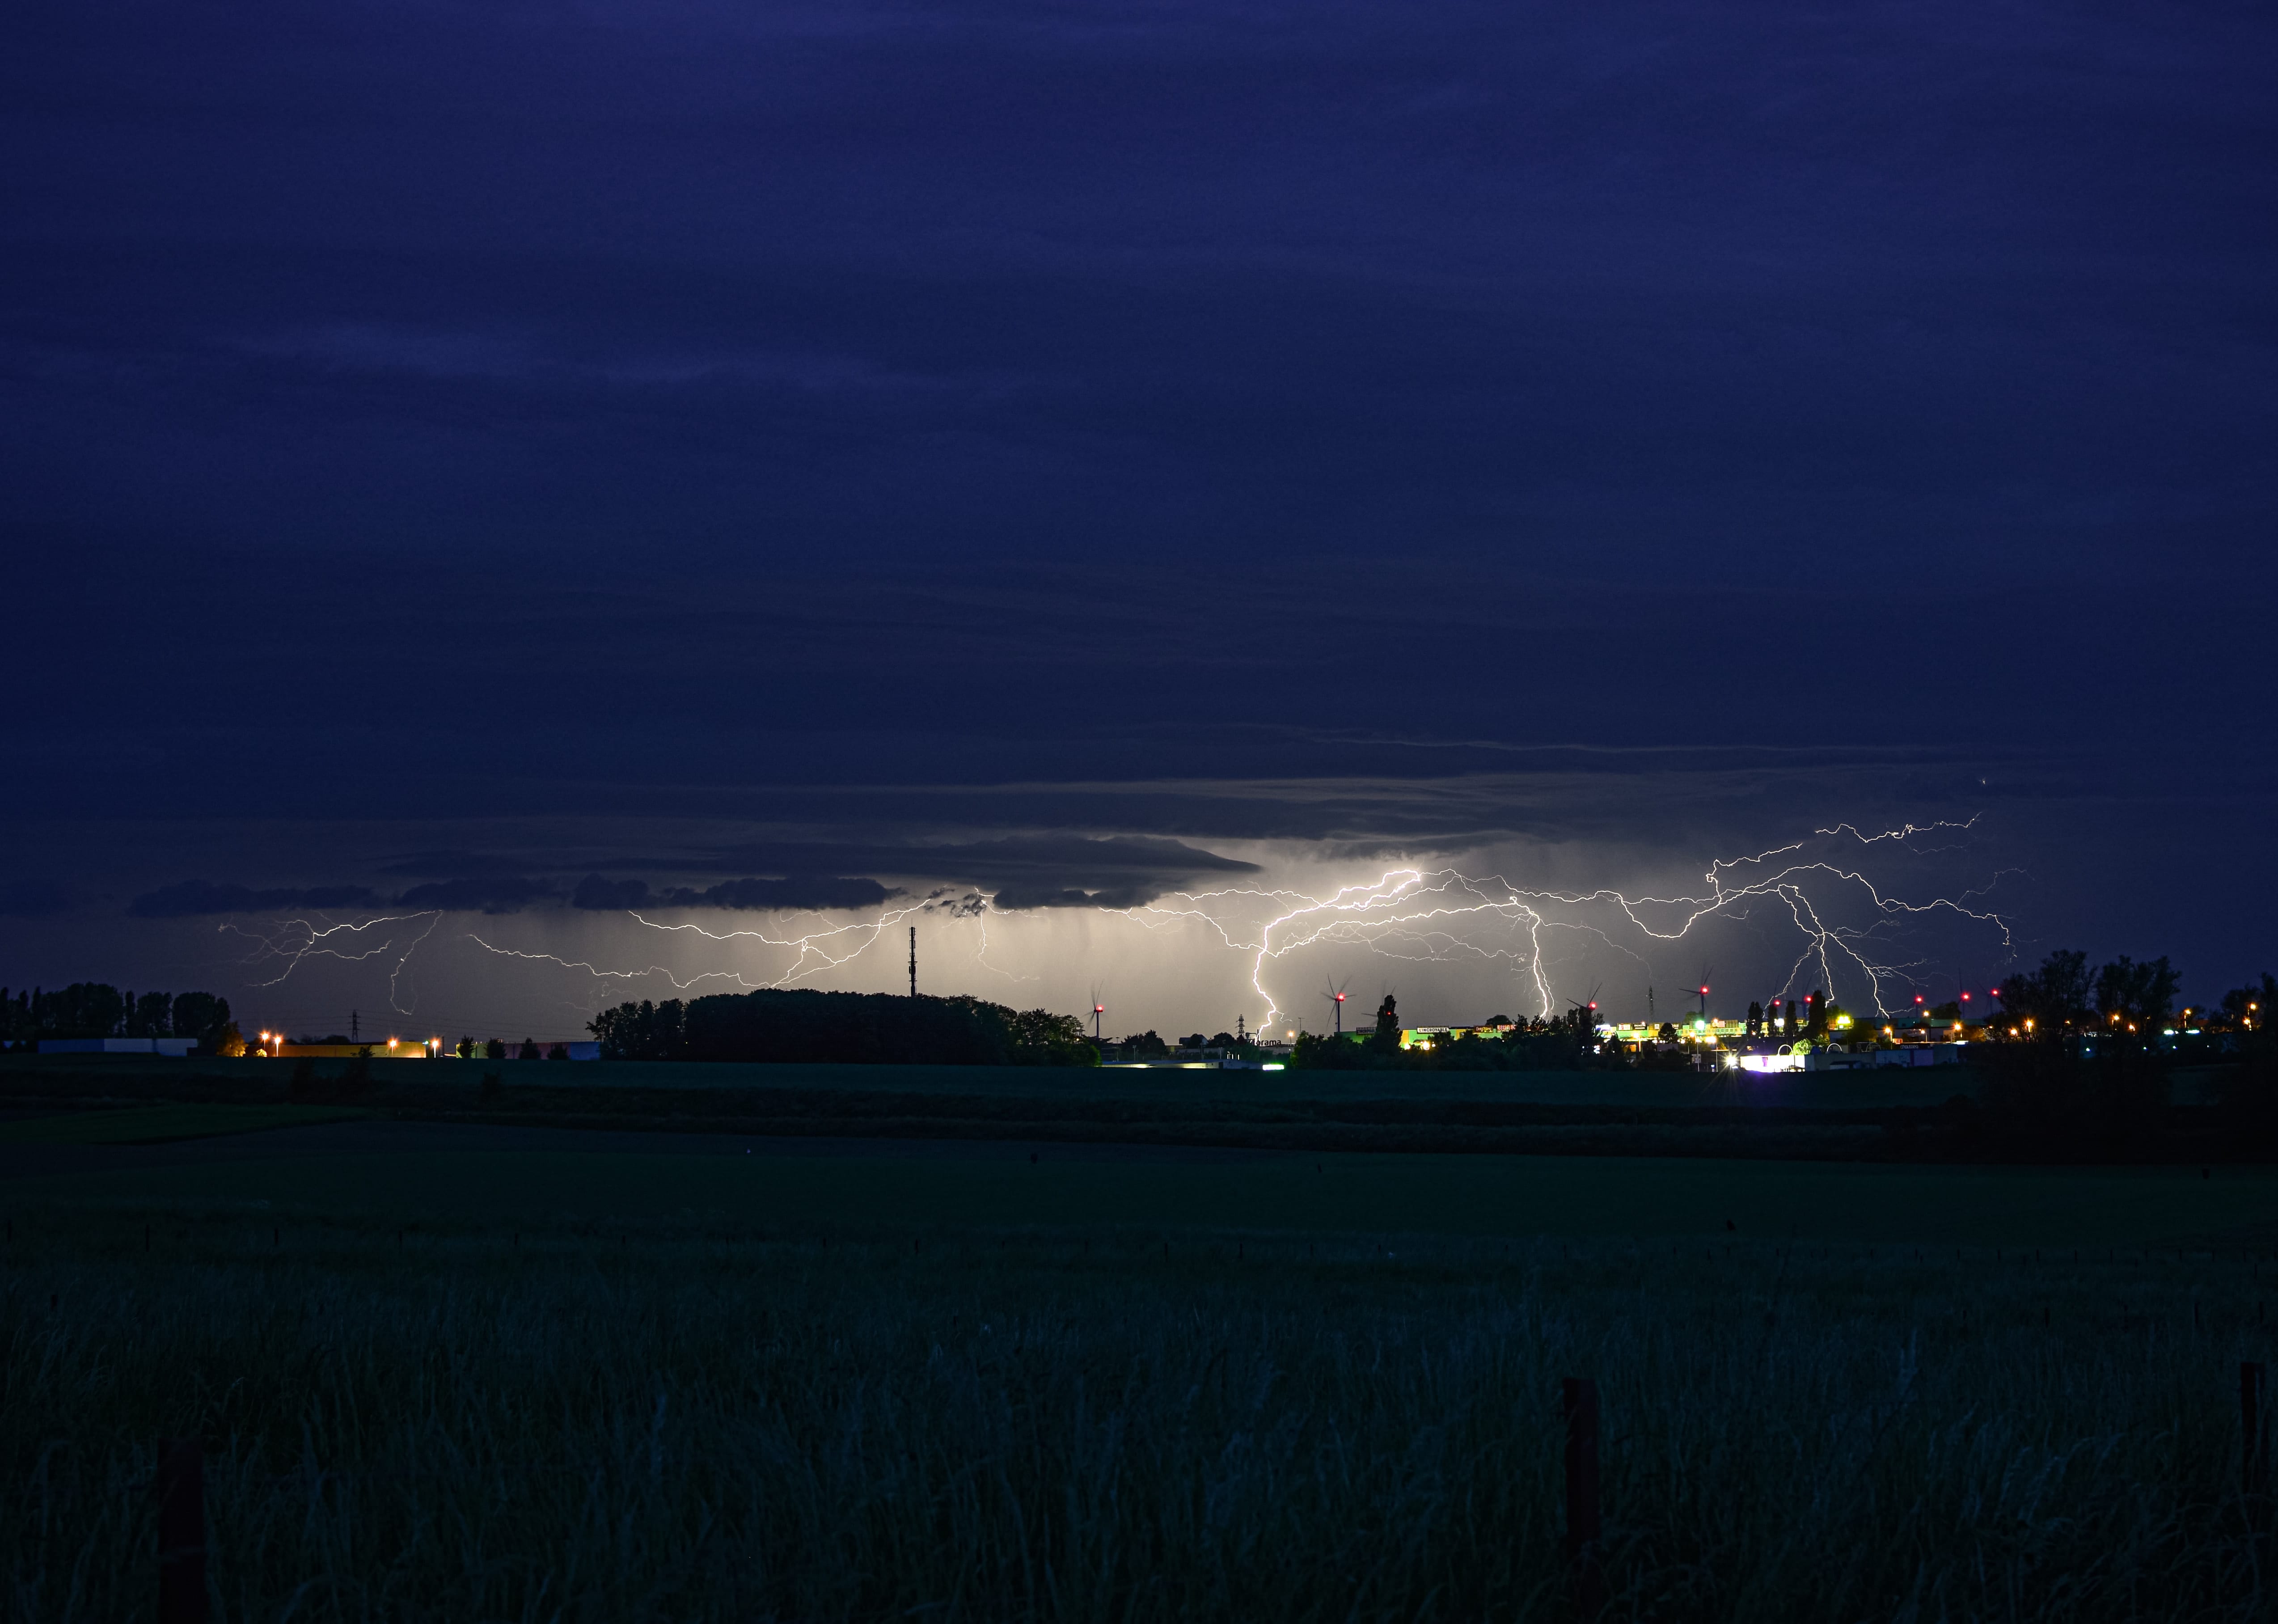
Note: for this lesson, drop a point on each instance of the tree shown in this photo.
(150, 1016)
(1386, 1039)
(494, 1050)
(529, 1050)
(645, 1031)
(2128, 994)
(1041, 1037)
(466, 1048)
(2053, 997)
(203, 1016)
(85, 1009)
(1755, 1019)
(2244, 1010)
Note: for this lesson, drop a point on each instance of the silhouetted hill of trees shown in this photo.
(877, 1029)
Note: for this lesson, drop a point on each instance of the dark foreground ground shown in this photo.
(423, 1174)
(1926, 1116)
(478, 1372)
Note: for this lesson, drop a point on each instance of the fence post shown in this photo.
(1581, 1395)
(181, 1532)
(2254, 1457)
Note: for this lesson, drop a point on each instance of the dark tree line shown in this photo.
(2082, 1061)
(96, 1009)
(842, 1028)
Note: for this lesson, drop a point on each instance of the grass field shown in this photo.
(511, 1381)
(413, 1173)
(1831, 1091)
(160, 1124)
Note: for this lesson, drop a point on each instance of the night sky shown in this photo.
(504, 465)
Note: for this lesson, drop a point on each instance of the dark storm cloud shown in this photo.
(1185, 423)
(1020, 870)
(1017, 898)
(1669, 290)
(487, 894)
(191, 898)
(792, 891)
(457, 865)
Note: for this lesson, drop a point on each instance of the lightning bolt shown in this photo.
(830, 946)
(1413, 913)
(1843, 919)
(292, 942)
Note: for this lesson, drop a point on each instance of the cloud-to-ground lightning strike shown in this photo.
(1412, 914)
(1843, 919)
(293, 941)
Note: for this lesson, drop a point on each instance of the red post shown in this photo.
(1581, 1396)
(182, 1533)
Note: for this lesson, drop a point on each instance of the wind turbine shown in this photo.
(1336, 996)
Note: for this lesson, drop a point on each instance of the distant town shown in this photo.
(2123, 1004)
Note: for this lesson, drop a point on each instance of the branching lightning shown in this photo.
(1848, 926)
(1414, 914)
(291, 942)
(814, 952)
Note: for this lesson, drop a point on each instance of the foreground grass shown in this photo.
(692, 1419)
(162, 1124)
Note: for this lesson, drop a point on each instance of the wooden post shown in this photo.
(182, 1533)
(1581, 1396)
(2254, 1456)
